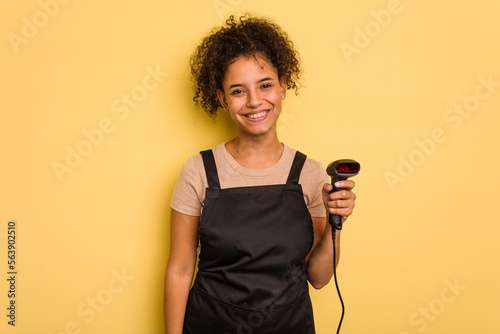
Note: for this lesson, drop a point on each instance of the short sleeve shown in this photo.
(313, 177)
(189, 190)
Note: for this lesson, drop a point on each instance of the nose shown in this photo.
(254, 99)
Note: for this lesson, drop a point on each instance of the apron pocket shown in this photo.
(208, 315)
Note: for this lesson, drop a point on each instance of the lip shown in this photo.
(259, 118)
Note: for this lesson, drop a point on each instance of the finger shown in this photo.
(344, 212)
(342, 194)
(347, 184)
(340, 204)
(327, 187)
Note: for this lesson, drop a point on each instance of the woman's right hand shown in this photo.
(180, 269)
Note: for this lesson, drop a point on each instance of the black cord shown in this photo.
(335, 277)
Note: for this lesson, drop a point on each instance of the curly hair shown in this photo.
(249, 36)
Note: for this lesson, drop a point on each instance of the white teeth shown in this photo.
(257, 115)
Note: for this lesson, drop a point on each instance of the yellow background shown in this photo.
(427, 210)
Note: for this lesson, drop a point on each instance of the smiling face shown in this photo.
(252, 95)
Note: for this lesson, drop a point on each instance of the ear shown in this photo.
(222, 99)
(283, 87)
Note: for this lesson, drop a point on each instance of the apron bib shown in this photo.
(251, 273)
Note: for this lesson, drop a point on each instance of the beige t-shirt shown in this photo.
(189, 192)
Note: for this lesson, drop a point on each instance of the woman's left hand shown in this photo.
(340, 202)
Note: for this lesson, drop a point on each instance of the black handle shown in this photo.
(335, 220)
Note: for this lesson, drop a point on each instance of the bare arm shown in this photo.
(180, 269)
(320, 259)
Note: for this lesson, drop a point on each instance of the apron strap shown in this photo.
(210, 168)
(298, 163)
(213, 177)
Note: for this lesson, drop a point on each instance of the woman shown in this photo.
(263, 205)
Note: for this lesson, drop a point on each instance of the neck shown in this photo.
(256, 152)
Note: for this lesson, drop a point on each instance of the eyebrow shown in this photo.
(261, 80)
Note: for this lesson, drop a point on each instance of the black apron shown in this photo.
(251, 273)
